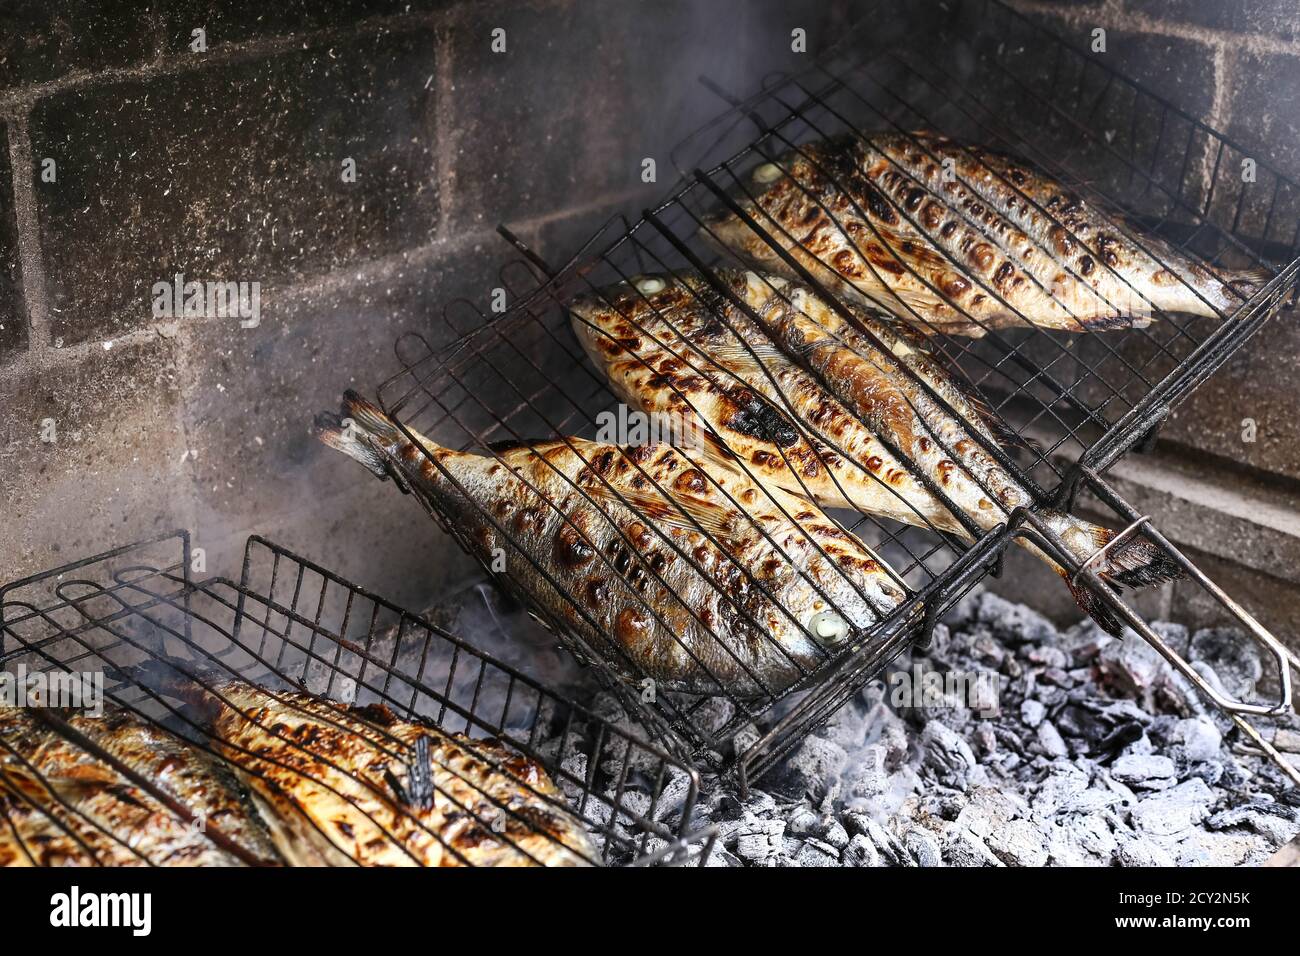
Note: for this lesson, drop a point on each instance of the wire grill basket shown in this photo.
(157, 638)
(1081, 399)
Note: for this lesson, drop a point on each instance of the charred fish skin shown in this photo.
(961, 239)
(858, 384)
(195, 778)
(674, 567)
(686, 352)
(340, 784)
(60, 806)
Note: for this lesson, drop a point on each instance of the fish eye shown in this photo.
(768, 173)
(828, 626)
(649, 285)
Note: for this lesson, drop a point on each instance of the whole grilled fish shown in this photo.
(849, 424)
(962, 239)
(684, 571)
(61, 805)
(355, 785)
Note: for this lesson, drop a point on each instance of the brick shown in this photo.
(582, 95)
(1275, 18)
(115, 474)
(1263, 120)
(252, 394)
(233, 174)
(13, 311)
(46, 39)
(227, 22)
(1258, 382)
(1181, 71)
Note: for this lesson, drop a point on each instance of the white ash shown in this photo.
(1100, 755)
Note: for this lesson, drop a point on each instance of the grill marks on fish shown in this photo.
(896, 415)
(997, 244)
(689, 361)
(59, 805)
(339, 782)
(674, 566)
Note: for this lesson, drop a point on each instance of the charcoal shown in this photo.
(1139, 851)
(1064, 782)
(1198, 737)
(1050, 740)
(1091, 800)
(812, 853)
(924, 847)
(835, 834)
(945, 750)
(1173, 811)
(987, 809)
(1134, 668)
(1069, 845)
(1147, 771)
(803, 820)
(760, 841)
(963, 848)
(1032, 712)
(1084, 642)
(713, 714)
(1019, 843)
(869, 777)
(1046, 655)
(811, 770)
(886, 844)
(860, 851)
(672, 798)
(1085, 840)
(1234, 658)
(721, 856)
(1277, 822)
(1234, 848)
(1100, 754)
(1013, 624)
(1287, 740)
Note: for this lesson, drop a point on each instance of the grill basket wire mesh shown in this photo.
(289, 625)
(1083, 399)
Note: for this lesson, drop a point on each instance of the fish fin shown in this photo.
(1247, 282)
(371, 418)
(360, 431)
(1135, 563)
(331, 430)
(1092, 605)
(667, 509)
(728, 347)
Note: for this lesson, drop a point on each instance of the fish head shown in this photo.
(636, 293)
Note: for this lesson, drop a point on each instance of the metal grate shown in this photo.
(1084, 399)
(290, 625)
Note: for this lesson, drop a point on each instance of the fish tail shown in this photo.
(1134, 563)
(1241, 285)
(362, 431)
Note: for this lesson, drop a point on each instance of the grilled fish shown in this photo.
(962, 239)
(680, 570)
(355, 785)
(60, 805)
(849, 424)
